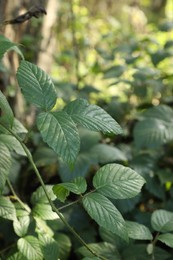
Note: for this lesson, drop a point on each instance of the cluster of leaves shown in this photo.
(94, 181)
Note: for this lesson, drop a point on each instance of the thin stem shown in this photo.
(49, 199)
(69, 204)
(16, 196)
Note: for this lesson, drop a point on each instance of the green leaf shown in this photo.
(167, 239)
(60, 133)
(156, 128)
(7, 209)
(29, 246)
(64, 245)
(39, 195)
(12, 143)
(117, 182)
(6, 114)
(36, 86)
(162, 220)
(77, 186)
(103, 249)
(106, 153)
(49, 247)
(21, 225)
(138, 231)
(7, 45)
(92, 117)
(105, 214)
(61, 192)
(5, 165)
(44, 211)
(17, 256)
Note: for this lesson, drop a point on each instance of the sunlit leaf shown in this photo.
(92, 117)
(29, 246)
(7, 209)
(117, 182)
(162, 220)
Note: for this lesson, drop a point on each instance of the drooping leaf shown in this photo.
(36, 86)
(44, 211)
(138, 231)
(5, 165)
(12, 143)
(29, 246)
(21, 225)
(7, 45)
(60, 133)
(7, 209)
(166, 239)
(162, 220)
(103, 249)
(117, 182)
(92, 117)
(6, 114)
(39, 195)
(105, 214)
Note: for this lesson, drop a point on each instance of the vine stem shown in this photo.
(30, 158)
(16, 196)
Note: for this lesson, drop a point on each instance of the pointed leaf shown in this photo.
(138, 231)
(60, 133)
(29, 246)
(92, 117)
(7, 209)
(105, 214)
(12, 143)
(167, 239)
(5, 165)
(162, 220)
(6, 114)
(7, 45)
(117, 182)
(36, 86)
